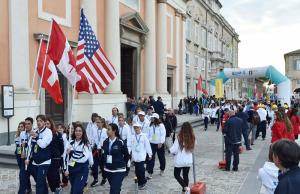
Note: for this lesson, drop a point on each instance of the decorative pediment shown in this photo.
(134, 22)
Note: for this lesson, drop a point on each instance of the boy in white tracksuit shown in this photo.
(139, 146)
(268, 174)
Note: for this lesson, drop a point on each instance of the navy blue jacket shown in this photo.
(244, 116)
(289, 182)
(119, 153)
(233, 130)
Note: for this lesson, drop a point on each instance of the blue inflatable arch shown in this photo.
(283, 83)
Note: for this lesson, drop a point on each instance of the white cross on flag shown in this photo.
(50, 79)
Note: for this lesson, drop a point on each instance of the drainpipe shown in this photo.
(206, 62)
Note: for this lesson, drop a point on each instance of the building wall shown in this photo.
(291, 69)
(220, 50)
(39, 14)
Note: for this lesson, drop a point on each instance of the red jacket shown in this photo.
(295, 122)
(278, 131)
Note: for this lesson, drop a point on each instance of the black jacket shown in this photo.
(57, 146)
(119, 153)
(159, 107)
(289, 182)
(233, 130)
(244, 116)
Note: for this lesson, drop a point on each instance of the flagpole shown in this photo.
(34, 74)
(44, 64)
(72, 104)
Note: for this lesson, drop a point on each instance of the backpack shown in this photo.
(255, 118)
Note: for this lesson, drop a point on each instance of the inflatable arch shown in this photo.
(283, 83)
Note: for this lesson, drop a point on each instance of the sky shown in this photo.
(268, 29)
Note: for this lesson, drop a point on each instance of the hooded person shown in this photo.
(268, 174)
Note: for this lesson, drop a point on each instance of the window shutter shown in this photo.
(295, 65)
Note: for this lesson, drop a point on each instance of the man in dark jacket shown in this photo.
(244, 116)
(286, 156)
(233, 135)
(159, 107)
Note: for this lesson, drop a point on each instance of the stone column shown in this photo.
(19, 44)
(183, 66)
(178, 62)
(150, 49)
(162, 71)
(90, 11)
(112, 42)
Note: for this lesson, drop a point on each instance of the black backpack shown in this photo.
(255, 118)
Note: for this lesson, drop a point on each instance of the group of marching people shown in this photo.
(54, 156)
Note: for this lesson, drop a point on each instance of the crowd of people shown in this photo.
(55, 155)
(249, 120)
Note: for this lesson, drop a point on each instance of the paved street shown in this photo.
(207, 153)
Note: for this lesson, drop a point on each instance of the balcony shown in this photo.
(218, 56)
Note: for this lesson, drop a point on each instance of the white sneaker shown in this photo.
(149, 176)
(187, 190)
(161, 173)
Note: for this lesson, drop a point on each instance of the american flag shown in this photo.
(91, 59)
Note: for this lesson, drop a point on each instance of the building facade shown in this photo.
(144, 40)
(292, 70)
(212, 45)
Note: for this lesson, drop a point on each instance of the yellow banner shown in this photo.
(219, 88)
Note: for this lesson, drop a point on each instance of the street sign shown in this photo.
(7, 92)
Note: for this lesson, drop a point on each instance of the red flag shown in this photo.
(199, 86)
(50, 78)
(61, 54)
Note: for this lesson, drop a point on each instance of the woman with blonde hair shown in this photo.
(183, 148)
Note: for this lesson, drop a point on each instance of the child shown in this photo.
(139, 146)
(182, 149)
(268, 174)
(286, 155)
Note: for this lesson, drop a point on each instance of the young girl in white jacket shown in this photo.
(268, 174)
(182, 149)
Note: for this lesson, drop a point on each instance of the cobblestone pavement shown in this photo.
(207, 154)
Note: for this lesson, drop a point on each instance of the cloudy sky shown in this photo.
(268, 29)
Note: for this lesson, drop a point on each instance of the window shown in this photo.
(134, 4)
(298, 82)
(196, 62)
(187, 58)
(197, 34)
(216, 42)
(209, 66)
(188, 29)
(202, 64)
(210, 41)
(203, 37)
(297, 65)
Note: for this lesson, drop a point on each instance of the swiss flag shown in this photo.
(199, 86)
(50, 77)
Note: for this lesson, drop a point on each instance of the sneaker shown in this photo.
(235, 169)
(103, 182)
(94, 183)
(28, 191)
(186, 190)
(161, 173)
(248, 149)
(149, 176)
(142, 187)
